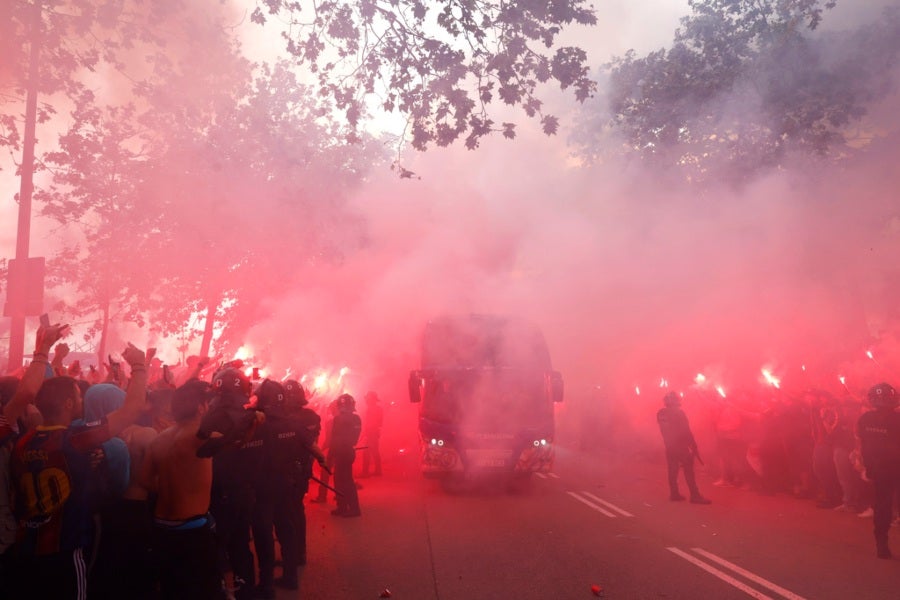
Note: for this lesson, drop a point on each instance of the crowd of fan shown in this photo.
(842, 453)
(140, 481)
(811, 445)
(804, 445)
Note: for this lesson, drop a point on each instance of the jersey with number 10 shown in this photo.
(52, 495)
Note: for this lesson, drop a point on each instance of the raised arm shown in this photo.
(34, 375)
(135, 395)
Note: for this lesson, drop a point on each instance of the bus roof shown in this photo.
(483, 341)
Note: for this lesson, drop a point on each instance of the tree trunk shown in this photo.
(26, 187)
(205, 344)
(104, 335)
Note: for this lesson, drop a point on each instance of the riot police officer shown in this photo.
(290, 445)
(289, 509)
(681, 449)
(277, 450)
(345, 431)
(237, 457)
(879, 439)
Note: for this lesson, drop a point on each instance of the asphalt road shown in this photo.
(598, 526)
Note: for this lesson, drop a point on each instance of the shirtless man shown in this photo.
(183, 538)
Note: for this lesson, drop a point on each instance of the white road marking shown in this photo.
(739, 570)
(608, 505)
(541, 475)
(553, 475)
(751, 576)
(596, 507)
(720, 574)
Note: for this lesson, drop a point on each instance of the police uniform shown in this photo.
(236, 468)
(680, 448)
(290, 511)
(879, 439)
(278, 496)
(345, 431)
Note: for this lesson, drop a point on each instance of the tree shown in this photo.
(73, 38)
(164, 166)
(203, 203)
(255, 190)
(94, 181)
(201, 183)
(44, 45)
(746, 84)
(441, 64)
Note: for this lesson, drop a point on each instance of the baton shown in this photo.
(322, 466)
(325, 485)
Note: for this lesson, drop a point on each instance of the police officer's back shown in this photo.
(308, 424)
(237, 458)
(345, 432)
(879, 439)
(297, 431)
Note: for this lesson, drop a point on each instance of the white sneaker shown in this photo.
(866, 513)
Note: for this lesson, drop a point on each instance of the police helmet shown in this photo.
(672, 400)
(294, 393)
(233, 381)
(346, 403)
(883, 395)
(270, 395)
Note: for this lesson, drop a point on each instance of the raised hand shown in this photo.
(61, 350)
(47, 336)
(134, 356)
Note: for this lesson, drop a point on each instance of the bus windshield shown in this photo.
(484, 342)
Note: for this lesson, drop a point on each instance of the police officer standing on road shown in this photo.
(289, 510)
(345, 430)
(879, 440)
(230, 433)
(270, 482)
(681, 449)
(287, 445)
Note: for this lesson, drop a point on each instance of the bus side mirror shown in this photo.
(415, 386)
(556, 386)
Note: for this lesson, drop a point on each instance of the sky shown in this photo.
(633, 281)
